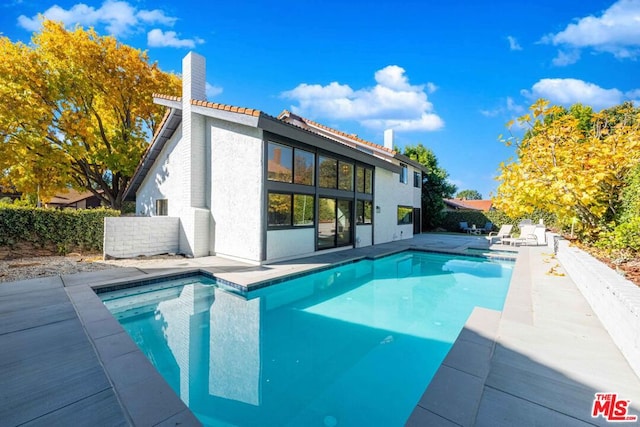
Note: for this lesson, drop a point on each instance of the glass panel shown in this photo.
(345, 176)
(416, 179)
(404, 174)
(303, 210)
(368, 181)
(363, 212)
(360, 179)
(279, 210)
(304, 167)
(405, 215)
(344, 222)
(326, 223)
(328, 172)
(279, 163)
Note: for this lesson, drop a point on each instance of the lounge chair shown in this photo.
(464, 226)
(488, 228)
(527, 236)
(504, 232)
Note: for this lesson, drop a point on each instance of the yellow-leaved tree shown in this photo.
(76, 109)
(571, 163)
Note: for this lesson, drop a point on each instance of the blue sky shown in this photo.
(446, 75)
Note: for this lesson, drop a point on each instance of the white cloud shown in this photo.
(616, 31)
(159, 38)
(119, 18)
(212, 91)
(510, 107)
(513, 43)
(566, 58)
(571, 91)
(392, 103)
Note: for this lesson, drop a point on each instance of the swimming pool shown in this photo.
(352, 345)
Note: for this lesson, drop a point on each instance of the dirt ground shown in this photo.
(31, 268)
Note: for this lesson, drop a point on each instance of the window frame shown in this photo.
(404, 173)
(362, 203)
(292, 217)
(409, 213)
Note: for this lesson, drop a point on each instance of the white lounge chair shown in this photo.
(504, 232)
(527, 236)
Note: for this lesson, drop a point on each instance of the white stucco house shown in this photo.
(243, 184)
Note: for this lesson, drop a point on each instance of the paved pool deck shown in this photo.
(64, 360)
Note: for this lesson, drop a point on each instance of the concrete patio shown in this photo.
(64, 360)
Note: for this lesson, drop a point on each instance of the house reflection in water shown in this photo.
(318, 346)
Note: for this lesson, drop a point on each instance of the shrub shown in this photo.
(452, 219)
(65, 229)
(623, 236)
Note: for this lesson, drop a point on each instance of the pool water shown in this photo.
(350, 346)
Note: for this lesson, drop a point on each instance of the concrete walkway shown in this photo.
(64, 360)
(539, 362)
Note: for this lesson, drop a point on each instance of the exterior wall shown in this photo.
(389, 194)
(236, 190)
(166, 179)
(285, 243)
(614, 299)
(126, 237)
(363, 236)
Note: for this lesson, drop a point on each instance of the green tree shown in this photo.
(435, 186)
(469, 195)
(76, 109)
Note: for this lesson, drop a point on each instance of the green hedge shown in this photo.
(452, 219)
(68, 229)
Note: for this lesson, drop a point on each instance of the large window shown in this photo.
(363, 212)
(345, 176)
(405, 215)
(304, 167)
(287, 164)
(280, 166)
(328, 172)
(290, 210)
(364, 180)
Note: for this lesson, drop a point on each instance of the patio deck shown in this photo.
(64, 360)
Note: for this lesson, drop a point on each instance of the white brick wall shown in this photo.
(615, 300)
(127, 237)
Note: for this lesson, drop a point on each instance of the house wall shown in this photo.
(389, 194)
(127, 237)
(236, 190)
(166, 179)
(363, 236)
(285, 243)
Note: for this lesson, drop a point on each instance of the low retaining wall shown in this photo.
(128, 237)
(614, 299)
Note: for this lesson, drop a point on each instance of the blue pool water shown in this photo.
(350, 346)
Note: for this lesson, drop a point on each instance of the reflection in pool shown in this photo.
(353, 345)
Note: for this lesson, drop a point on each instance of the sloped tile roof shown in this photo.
(476, 205)
(224, 107)
(354, 138)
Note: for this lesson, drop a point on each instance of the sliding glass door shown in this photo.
(334, 223)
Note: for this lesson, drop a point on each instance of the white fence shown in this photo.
(614, 299)
(128, 237)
